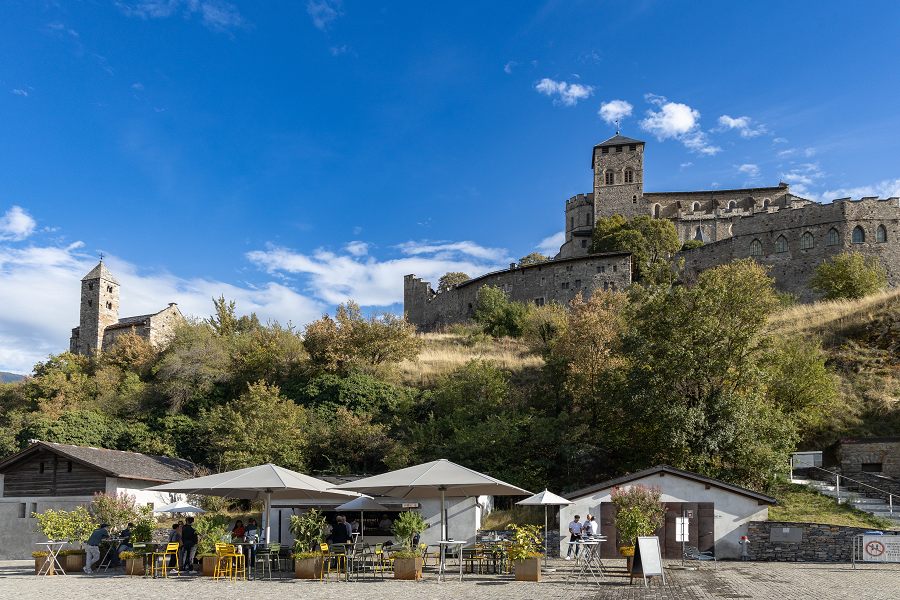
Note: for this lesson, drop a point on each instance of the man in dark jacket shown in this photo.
(340, 535)
(188, 545)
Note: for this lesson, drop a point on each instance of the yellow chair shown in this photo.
(171, 550)
(383, 559)
(229, 562)
(340, 560)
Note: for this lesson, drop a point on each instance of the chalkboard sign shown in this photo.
(647, 559)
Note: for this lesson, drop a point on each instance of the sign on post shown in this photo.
(647, 559)
(682, 529)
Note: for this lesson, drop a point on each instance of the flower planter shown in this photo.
(629, 562)
(39, 564)
(134, 566)
(308, 568)
(209, 566)
(408, 568)
(72, 563)
(528, 569)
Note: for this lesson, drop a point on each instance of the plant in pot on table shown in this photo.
(409, 560)
(309, 535)
(524, 554)
(639, 512)
(210, 531)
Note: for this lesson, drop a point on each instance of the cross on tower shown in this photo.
(617, 127)
(101, 257)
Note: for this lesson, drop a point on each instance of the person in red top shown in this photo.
(237, 534)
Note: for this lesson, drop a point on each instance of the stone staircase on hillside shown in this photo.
(851, 495)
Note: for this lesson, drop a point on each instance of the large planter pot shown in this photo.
(72, 563)
(134, 566)
(209, 566)
(408, 568)
(39, 564)
(528, 569)
(308, 568)
(629, 562)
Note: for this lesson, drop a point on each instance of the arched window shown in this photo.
(880, 234)
(730, 206)
(755, 248)
(806, 241)
(696, 206)
(634, 199)
(859, 236)
(629, 176)
(781, 244)
(609, 178)
(656, 211)
(765, 205)
(833, 238)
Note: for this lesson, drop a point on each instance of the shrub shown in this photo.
(308, 530)
(849, 275)
(65, 526)
(210, 529)
(526, 544)
(639, 511)
(407, 525)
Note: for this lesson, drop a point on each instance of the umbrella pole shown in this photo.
(268, 514)
(443, 526)
(546, 549)
(362, 525)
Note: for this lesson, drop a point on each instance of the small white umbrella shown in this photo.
(265, 481)
(362, 504)
(179, 507)
(545, 499)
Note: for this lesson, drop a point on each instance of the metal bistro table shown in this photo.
(443, 544)
(588, 557)
(53, 549)
(106, 561)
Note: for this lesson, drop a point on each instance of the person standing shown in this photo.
(575, 528)
(348, 526)
(92, 547)
(174, 538)
(188, 545)
(340, 535)
(595, 526)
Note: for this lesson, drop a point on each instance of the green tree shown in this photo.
(194, 364)
(452, 279)
(651, 240)
(497, 315)
(849, 275)
(533, 259)
(226, 322)
(691, 244)
(800, 384)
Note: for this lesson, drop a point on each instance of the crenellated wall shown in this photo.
(557, 280)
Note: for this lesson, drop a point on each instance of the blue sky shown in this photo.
(291, 155)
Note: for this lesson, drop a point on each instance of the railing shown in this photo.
(837, 486)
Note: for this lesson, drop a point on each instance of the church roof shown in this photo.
(100, 272)
(618, 140)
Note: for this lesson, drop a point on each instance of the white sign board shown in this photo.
(881, 548)
(647, 559)
(681, 529)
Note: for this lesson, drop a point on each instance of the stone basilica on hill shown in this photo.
(790, 234)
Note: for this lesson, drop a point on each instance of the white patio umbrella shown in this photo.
(362, 504)
(545, 499)
(179, 507)
(265, 481)
(438, 478)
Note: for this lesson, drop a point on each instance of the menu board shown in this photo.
(647, 559)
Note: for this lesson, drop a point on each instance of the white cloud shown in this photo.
(889, 188)
(509, 66)
(215, 14)
(687, 164)
(323, 12)
(550, 245)
(16, 224)
(614, 109)
(788, 152)
(20, 92)
(335, 50)
(569, 94)
(336, 278)
(751, 171)
(811, 151)
(802, 177)
(742, 124)
(358, 248)
(677, 121)
(137, 86)
(779, 141)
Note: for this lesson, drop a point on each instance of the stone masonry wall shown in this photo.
(819, 543)
(619, 198)
(793, 268)
(853, 456)
(557, 280)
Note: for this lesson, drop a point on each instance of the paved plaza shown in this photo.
(763, 581)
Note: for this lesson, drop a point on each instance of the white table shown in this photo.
(53, 549)
(114, 544)
(589, 557)
(443, 544)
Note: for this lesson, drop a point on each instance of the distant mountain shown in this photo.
(10, 377)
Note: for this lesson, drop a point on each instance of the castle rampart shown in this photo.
(539, 283)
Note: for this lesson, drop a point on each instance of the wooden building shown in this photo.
(718, 511)
(55, 476)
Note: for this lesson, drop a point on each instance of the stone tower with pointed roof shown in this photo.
(99, 322)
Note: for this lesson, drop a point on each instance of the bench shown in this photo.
(693, 553)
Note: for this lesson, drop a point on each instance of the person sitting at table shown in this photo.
(125, 544)
(575, 533)
(340, 534)
(385, 524)
(251, 536)
(92, 547)
(237, 534)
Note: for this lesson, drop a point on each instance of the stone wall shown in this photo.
(620, 198)
(558, 280)
(884, 452)
(818, 543)
(793, 268)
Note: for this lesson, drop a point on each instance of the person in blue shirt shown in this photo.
(92, 546)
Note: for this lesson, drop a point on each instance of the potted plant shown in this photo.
(409, 560)
(64, 526)
(639, 512)
(134, 561)
(71, 560)
(523, 552)
(309, 534)
(210, 529)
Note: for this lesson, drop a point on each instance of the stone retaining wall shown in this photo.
(819, 543)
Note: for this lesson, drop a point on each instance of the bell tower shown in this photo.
(99, 308)
(618, 165)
